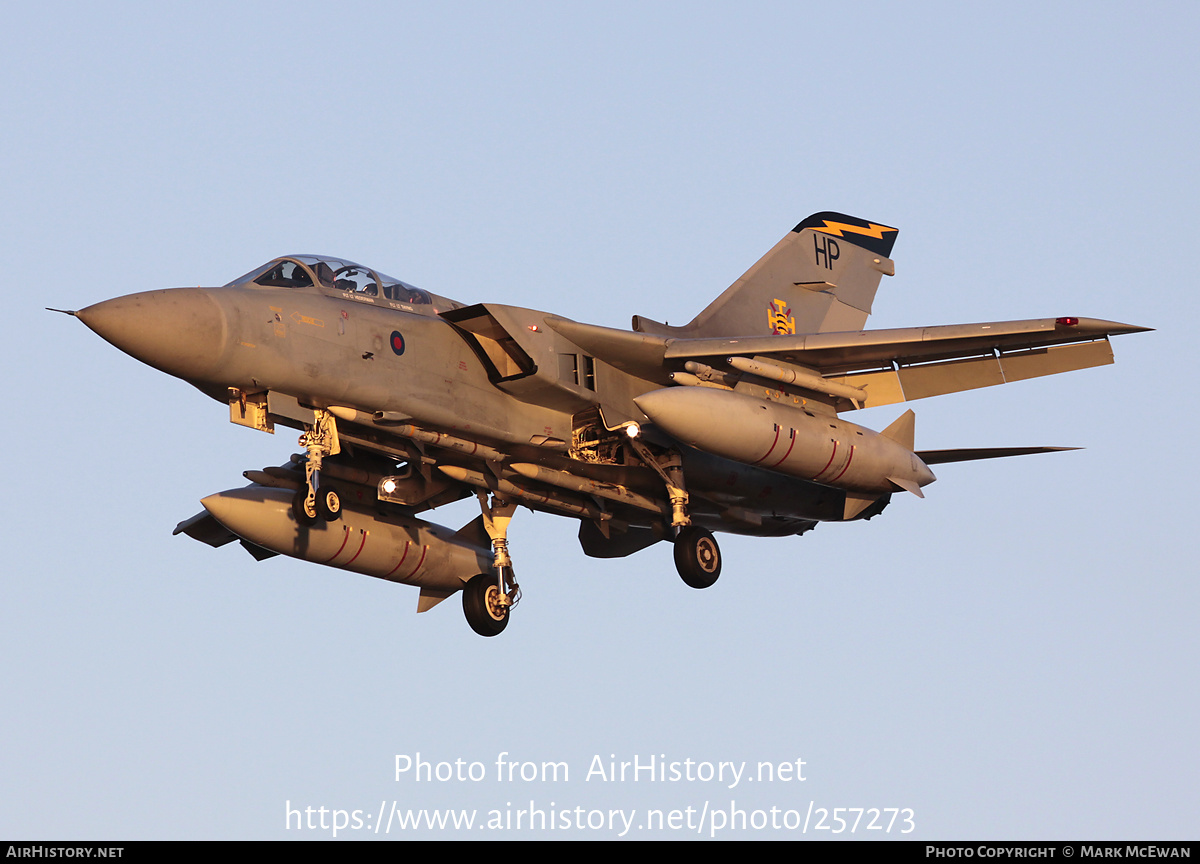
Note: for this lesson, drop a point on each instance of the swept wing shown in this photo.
(890, 366)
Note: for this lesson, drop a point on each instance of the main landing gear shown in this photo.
(488, 598)
(484, 606)
(313, 502)
(697, 555)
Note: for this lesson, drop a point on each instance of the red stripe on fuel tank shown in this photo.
(407, 543)
(360, 548)
(789, 451)
(847, 465)
(424, 549)
(345, 537)
(830, 462)
(769, 452)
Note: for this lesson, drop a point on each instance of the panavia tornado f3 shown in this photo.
(407, 401)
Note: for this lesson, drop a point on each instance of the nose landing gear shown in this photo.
(488, 598)
(314, 502)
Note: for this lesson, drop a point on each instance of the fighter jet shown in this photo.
(407, 401)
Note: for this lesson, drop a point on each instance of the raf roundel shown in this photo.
(397, 342)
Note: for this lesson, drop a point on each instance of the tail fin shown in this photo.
(820, 278)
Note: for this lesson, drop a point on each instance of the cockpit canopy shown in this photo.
(335, 274)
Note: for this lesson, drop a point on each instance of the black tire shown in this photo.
(303, 515)
(484, 614)
(329, 504)
(697, 556)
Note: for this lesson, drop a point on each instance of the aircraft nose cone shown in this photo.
(181, 331)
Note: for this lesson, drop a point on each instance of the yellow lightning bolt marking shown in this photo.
(841, 228)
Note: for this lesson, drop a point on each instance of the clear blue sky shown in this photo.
(1013, 657)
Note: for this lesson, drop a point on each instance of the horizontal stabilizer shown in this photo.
(938, 457)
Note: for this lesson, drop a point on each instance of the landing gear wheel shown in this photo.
(481, 604)
(697, 556)
(329, 505)
(305, 514)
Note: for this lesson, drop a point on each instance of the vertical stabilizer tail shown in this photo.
(820, 278)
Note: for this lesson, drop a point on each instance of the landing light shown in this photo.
(633, 430)
(389, 485)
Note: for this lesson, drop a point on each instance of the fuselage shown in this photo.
(407, 401)
(495, 374)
